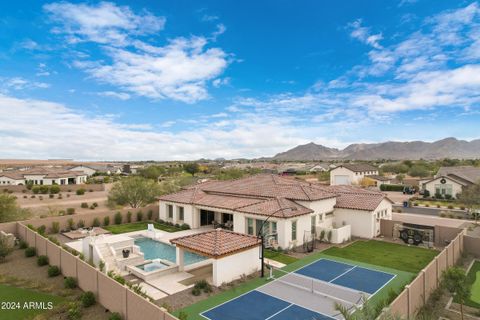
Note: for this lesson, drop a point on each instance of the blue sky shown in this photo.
(131, 80)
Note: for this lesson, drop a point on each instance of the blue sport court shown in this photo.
(305, 294)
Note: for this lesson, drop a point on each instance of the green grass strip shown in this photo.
(138, 226)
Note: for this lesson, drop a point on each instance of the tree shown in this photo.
(5, 248)
(9, 210)
(419, 170)
(454, 280)
(134, 191)
(470, 196)
(191, 168)
(152, 172)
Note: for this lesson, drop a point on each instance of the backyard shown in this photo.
(402, 261)
(138, 226)
(473, 279)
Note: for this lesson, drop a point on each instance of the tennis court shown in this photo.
(309, 293)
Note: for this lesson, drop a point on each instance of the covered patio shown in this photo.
(234, 254)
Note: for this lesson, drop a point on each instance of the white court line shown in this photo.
(341, 275)
(273, 315)
(394, 276)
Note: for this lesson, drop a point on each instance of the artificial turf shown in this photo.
(19, 303)
(280, 257)
(349, 254)
(473, 279)
(386, 254)
(137, 226)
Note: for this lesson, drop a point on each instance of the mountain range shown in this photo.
(413, 150)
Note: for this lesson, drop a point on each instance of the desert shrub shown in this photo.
(70, 211)
(203, 285)
(443, 215)
(183, 315)
(36, 189)
(149, 214)
(44, 189)
(95, 204)
(30, 252)
(185, 226)
(106, 221)
(129, 217)
(25, 197)
(22, 244)
(139, 215)
(54, 189)
(117, 218)
(33, 196)
(415, 204)
(80, 192)
(115, 316)
(84, 205)
(42, 260)
(427, 205)
(196, 291)
(55, 227)
(71, 224)
(41, 230)
(439, 206)
(462, 207)
(53, 271)
(81, 224)
(70, 282)
(90, 190)
(101, 265)
(74, 312)
(54, 240)
(92, 207)
(51, 196)
(450, 206)
(40, 198)
(96, 222)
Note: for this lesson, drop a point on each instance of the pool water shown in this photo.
(152, 266)
(158, 250)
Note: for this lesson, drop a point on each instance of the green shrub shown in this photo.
(185, 226)
(115, 316)
(55, 227)
(70, 211)
(54, 189)
(36, 189)
(70, 282)
(95, 204)
(74, 312)
(41, 230)
(450, 206)
(149, 214)
(80, 192)
(81, 224)
(101, 265)
(92, 207)
(53, 271)
(44, 189)
(196, 291)
(88, 299)
(22, 244)
(391, 187)
(42, 261)
(71, 224)
(129, 217)
(203, 285)
(183, 315)
(51, 196)
(84, 205)
(139, 215)
(30, 252)
(117, 218)
(106, 221)
(96, 222)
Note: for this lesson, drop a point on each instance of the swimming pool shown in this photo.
(158, 250)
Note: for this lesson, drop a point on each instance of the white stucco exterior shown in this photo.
(342, 175)
(232, 267)
(450, 186)
(9, 181)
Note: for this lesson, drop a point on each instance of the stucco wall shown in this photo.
(456, 187)
(341, 171)
(362, 222)
(232, 267)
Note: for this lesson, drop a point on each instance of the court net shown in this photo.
(345, 296)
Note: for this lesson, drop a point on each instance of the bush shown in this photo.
(391, 187)
(182, 315)
(71, 224)
(92, 207)
(42, 261)
(54, 189)
(74, 312)
(22, 244)
(84, 205)
(70, 211)
(55, 227)
(51, 196)
(70, 282)
(117, 218)
(462, 207)
(438, 196)
(448, 196)
(129, 217)
(185, 226)
(96, 222)
(450, 206)
(36, 189)
(196, 291)
(81, 224)
(95, 204)
(30, 252)
(44, 189)
(53, 271)
(203, 285)
(80, 192)
(149, 214)
(139, 216)
(106, 221)
(115, 316)
(41, 230)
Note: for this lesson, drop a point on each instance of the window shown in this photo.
(314, 223)
(250, 230)
(170, 211)
(273, 227)
(294, 230)
(181, 213)
(320, 217)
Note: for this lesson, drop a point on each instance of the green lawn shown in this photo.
(137, 226)
(280, 257)
(473, 279)
(402, 278)
(386, 254)
(21, 296)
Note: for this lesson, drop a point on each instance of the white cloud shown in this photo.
(19, 83)
(217, 83)
(221, 29)
(113, 94)
(104, 23)
(209, 18)
(364, 35)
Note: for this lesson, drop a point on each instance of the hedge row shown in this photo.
(391, 187)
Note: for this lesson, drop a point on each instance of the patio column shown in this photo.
(180, 261)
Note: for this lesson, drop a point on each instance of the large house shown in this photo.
(42, 176)
(290, 211)
(351, 173)
(450, 181)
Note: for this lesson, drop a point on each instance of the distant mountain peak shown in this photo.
(445, 148)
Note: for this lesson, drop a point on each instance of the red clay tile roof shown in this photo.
(358, 167)
(278, 207)
(365, 201)
(216, 243)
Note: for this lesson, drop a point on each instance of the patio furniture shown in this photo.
(229, 225)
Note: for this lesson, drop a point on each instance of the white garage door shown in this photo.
(341, 180)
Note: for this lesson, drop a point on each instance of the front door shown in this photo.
(206, 217)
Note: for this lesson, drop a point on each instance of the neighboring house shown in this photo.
(450, 181)
(320, 167)
(295, 210)
(351, 173)
(92, 169)
(42, 176)
(89, 171)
